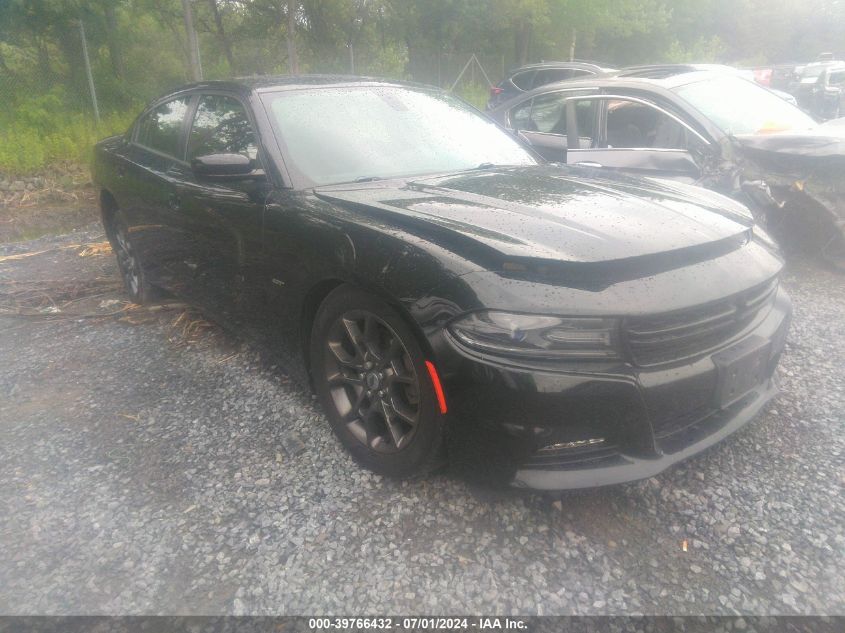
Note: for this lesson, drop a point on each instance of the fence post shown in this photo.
(88, 71)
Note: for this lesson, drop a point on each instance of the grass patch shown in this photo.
(62, 199)
(28, 146)
(475, 94)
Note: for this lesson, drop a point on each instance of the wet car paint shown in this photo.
(259, 256)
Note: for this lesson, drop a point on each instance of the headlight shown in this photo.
(536, 336)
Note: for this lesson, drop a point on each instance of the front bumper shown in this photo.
(584, 427)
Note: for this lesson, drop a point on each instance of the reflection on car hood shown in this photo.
(823, 140)
(552, 212)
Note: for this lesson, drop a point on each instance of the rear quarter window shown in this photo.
(523, 80)
(551, 75)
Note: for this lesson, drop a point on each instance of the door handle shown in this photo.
(174, 202)
(589, 163)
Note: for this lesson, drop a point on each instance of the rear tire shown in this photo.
(130, 266)
(369, 373)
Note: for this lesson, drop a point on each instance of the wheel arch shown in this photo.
(317, 294)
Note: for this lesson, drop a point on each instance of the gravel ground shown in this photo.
(149, 464)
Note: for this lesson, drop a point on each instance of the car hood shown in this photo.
(552, 213)
(826, 140)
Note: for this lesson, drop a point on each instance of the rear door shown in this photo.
(636, 136)
(151, 176)
(542, 121)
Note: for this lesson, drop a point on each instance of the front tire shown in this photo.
(369, 373)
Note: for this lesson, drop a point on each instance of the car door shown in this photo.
(223, 213)
(541, 121)
(637, 136)
(150, 175)
(833, 95)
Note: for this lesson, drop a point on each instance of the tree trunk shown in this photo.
(193, 53)
(45, 69)
(572, 45)
(221, 34)
(293, 60)
(113, 40)
(71, 47)
(523, 42)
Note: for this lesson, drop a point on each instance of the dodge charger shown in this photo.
(448, 296)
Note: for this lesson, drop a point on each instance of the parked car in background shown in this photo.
(804, 86)
(658, 71)
(763, 75)
(828, 100)
(783, 76)
(444, 292)
(536, 75)
(709, 128)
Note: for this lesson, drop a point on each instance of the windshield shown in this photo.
(336, 135)
(738, 106)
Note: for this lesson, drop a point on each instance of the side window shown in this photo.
(585, 114)
(520, 116)
(221, 126)
(634, 125)
(523, 80)
(160, 128)
(548, 114)
(837, 78)
(551, 75)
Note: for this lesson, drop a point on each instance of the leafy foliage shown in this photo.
(138, 48)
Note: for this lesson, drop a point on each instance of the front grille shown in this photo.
(685, 334)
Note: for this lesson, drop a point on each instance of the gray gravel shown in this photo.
(143, 471)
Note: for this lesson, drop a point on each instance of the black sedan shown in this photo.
(533, 76)
(445, 294)
(713, 129)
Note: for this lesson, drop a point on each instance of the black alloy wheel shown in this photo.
(370, 374)
(130, 266)
(372, 381)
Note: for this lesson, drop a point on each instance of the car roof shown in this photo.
(268, 83)
(664, 71)
(577, 64)
(836, 63)
(614, 79)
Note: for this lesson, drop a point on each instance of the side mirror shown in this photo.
(222, 165)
